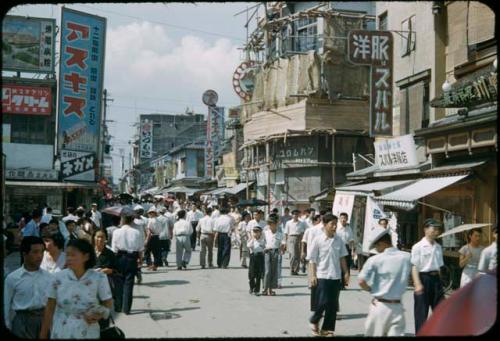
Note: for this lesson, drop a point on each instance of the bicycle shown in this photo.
(446, 278)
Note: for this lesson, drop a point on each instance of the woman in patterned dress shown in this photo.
(78, 298)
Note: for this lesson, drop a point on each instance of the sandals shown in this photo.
(329, 333)
(314, 329)
(273, 293)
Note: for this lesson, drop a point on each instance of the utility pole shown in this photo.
(104, 134)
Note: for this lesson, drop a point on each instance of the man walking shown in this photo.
(223, 227)
(294, 229)
(193, 217)
(164, 234)
(154, 228)
(385, 275)
(205, 230)
(182, 234)
(286, 217)
(128, 244)
(427, 260)
(25, 291)
(327, 257)
(140, 223)
(344, 232)
(96, 216)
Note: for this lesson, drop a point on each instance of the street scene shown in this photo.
(273, 169)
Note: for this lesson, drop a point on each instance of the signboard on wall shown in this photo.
(375, 48)
(343, 202)
(32, 174)
(77, 165)
(28, 44)
(146, 142)
(301, 151)
(81, 72)
(396, 153)
(28, 100)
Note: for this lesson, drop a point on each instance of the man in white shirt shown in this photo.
(488, 259)
(128, 244)
(205, 230)
(275, 244)
(71, 215)
(223, 226)
(294, 230)
(182, 234)
(326, 258)
(385, 275)
(25, 291)
(140, 224)
(427, 260)
(47, 217)
(193, 217)
(215, 212)
(154, 228)
(164, 234)
(307, 238)
(96, 216)
(116, 224)
(345, 233)
(286, 217)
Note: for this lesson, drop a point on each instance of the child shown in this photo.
(256, 246)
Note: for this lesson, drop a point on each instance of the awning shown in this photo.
(238, 188)
(181, 189)
(217, 191)
(462, 228)
(406, 197)
(51, 184)
(455, 167)
(379, 186)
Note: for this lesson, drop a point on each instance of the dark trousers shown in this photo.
(326, 302)
(348, 261)
(27, 325)
(256, 271)
(116, 285)
(154, 247)
(433, 294)
(223, 249)
(165, 249)
(193, 235)
(127, 265)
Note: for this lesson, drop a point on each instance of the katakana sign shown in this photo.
(375, 48)
(146, 142)
(81, 81)
(28, 100)
(77, 165)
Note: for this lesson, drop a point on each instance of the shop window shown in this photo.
(483, 137)
(414, 107)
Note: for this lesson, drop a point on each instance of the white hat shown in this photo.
(377, 233)
(152, 209)
(138, 207)
(162, 209)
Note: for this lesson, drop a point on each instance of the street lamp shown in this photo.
(446, 86)
(495, 63)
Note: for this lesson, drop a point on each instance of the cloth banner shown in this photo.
(372, 214)
(343, 202)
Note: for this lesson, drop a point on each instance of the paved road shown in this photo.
(216, 303)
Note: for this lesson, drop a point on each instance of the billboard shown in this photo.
(146, 143)
(81, 73)
(396, 153)
(78, 165)
(28, 44)
(27, 100)
(375, 48)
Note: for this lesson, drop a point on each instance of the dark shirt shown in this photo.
(106, 259)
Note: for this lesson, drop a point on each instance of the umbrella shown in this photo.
(125, 196)
(252, 202)
(468, 311)
(462, 228)
(114, 210)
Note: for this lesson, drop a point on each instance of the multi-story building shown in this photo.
(308, 111)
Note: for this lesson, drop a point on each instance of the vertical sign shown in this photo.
(375, 48)
(146, 144)
(209, 149)
(81, 76)
(343, 202)
(372, 214)
(217, 130)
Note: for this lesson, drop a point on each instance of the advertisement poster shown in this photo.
(343, 202)
(27, 100)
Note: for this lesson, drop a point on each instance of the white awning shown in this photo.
(238, 188)
(462, 228)
(384, 186)
(407, 196)
(180, 189)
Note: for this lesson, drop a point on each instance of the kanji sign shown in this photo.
(343, 203)
(31, 174)
(76, 165)
(375, 48)
(28, 44)
(81, 77)
(396, 153)
(146, 145)
(28, 100)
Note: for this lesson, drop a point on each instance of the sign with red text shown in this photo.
(28, 100)
(81, 69)
(375, 48)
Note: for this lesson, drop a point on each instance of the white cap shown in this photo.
(152, 209)
(162, 209)
(375, 234)
(138, 207)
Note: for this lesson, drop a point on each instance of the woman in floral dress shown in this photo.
(74, 306)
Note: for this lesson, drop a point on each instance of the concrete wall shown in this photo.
(36, 156)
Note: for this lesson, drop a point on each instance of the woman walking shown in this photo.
(469, 256)
(54, 258)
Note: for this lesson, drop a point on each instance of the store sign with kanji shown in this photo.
(28, 100)
(81, 77)
(146, 143)
(375, 48)
(398, 152)
(28, 44)
(31, 174)
(77, 165)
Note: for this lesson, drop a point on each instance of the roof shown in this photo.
(455, 167)
(52, 184)
(363, 173)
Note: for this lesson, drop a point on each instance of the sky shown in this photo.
(160, 58)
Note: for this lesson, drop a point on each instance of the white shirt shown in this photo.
(195, 216)
(70, 217)
(426, 256)
(387, 273)
(252, 223)
(96, 218)
(345, 233)
(127, 238)
(182, 227)
(293, 228)
(110, 231)
(257, 246)
(164, 222)
(155, 226)
(46, 218)
(315, 231)
(25, 290)
(488, 259)
(140, 225)
(205, 225)
(50, 266)
(215, 214)
(224, 224)
(273, 240)
(326, 253)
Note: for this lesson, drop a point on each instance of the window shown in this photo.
(183, 165)
(30, 129)
(382, 22)
(426, 104)
(306, 32)
(414, 107)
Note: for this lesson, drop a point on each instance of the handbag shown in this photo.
(112, 332)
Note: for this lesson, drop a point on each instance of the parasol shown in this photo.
(114, 210)
(252, 202)
(462, 228)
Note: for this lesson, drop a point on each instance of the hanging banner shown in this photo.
(146, 142)
(372, 214)
(27, 100)
(28, 44)
(343, 202)
(81, 73)
(375, 48)
(396, 153)
(217, 122)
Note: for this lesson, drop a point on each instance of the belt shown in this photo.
(431, 273)
(209, 233)
(31, 311)
(183, 235)
(128, 253)
(386, 301)
(270, 250)
(223, 232)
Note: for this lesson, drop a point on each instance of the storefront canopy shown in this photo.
(238, 188)
(217, 191)
(406, 197)
(52, 184)
(379, 186)
(180, 189)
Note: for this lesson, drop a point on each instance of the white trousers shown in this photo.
(385, 319)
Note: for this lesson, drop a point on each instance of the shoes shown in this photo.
(224, 267)
(314, 329)
(257, 293)
(179, 268)
(184, 265)
(328, 333)
(203, 266)
(250, 291)
(210, 266)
